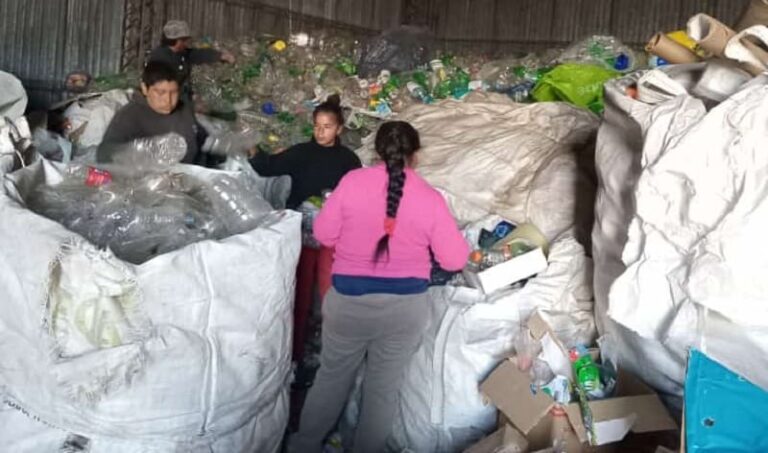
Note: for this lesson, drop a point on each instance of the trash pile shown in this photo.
(564, 396)
(276, 83)
(139, 214)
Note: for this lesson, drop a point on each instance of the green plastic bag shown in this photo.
(579, 84)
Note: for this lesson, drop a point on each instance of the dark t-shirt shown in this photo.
(312, 168)
(138, 120)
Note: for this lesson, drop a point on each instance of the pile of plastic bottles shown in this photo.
(276, 83)
(139, 213)
(497, 246)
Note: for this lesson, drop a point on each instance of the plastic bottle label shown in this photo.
(96, 177)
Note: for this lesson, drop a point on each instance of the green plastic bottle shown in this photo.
(585, 371)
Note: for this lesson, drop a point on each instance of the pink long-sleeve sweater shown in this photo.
(352, 221)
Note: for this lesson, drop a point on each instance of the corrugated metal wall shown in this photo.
(43, 40)
(503, 25)
(225, 19)
(232, 18)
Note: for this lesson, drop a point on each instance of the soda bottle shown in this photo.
(418, 92)
(90, 176)
(586, 372)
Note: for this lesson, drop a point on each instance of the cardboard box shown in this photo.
(506, 438)
(509, 272)
(635, 407)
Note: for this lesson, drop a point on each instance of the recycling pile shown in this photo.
(276, 83)
(138, 213)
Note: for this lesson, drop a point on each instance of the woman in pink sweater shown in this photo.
(383, 222)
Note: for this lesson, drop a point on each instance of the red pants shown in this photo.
(314, 267)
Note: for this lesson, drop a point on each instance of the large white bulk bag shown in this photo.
(441, 408)
(188, 351)
(690, 270)
(489, 155)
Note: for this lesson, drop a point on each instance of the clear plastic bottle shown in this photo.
(563, 438)
(418, 92)
(240, 209)
(90, 176)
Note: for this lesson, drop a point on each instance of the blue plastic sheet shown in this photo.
(723, 411)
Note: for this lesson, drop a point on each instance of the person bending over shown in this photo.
(153, 111)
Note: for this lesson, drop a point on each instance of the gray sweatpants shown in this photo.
(385, 328)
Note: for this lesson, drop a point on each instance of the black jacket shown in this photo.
(312, 168)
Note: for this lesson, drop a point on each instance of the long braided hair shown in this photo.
(396, 141)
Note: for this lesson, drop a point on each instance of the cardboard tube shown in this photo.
(661, 46)
(711, 34)
(750, 48)
(756, 13)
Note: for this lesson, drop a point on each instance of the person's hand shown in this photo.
(279, 150)
(252, 152)
(227, 57)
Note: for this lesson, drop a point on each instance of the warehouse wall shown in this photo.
(504, 25)
(43, 40)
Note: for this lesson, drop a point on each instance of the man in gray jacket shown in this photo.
(176, 52)
(156, 110)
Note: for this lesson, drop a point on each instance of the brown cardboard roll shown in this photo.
(711, 34)
(750, 48)
(661, 46)
(756, 13)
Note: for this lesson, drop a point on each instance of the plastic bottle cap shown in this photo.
(476, 257)
(436, 64)
(279, 45)
(300, 39)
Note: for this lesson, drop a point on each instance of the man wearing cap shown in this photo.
(175, 52)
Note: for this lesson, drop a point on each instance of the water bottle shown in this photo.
(418, 92)
(231, 198)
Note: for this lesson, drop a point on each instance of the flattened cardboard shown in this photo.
(509, 272)
(510, 391)
(505, 437)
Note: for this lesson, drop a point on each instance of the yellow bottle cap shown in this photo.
(279, 45)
